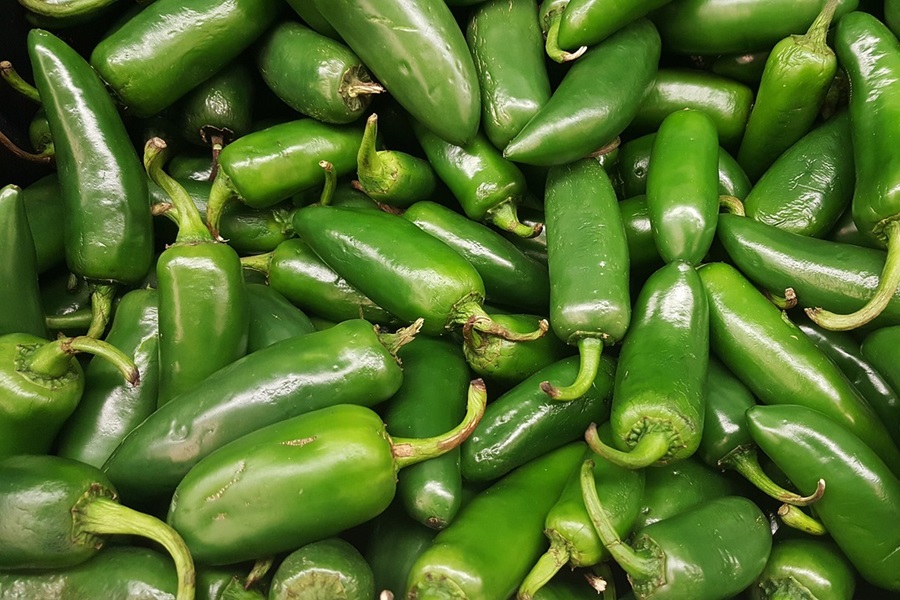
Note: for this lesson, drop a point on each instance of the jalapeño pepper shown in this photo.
(329, 568)
(589, 22)
(878, 348)
(272, 318)
(45, 210)
(19, 293)
(805, 567)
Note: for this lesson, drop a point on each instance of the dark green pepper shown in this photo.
(19, 294)
(66, 300)
(329, 568)
(746, 67)
(312, 17)
(272, 318)
(394, 545)
(805, 568)
(317, 453)
(642, 253)
(589, 22)
(45, 210)
(892, 15)
(878, 348)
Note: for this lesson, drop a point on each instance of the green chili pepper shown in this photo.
(268, 166)
(876, 384)
(711, 27)
(587, 251)
(525, 423)
(892, 15)
(634, 165)
(581, 116)
(573, 540)
(294, 270)
(58, 512)
(796, 79)
(39, 134)
(726, 441)
(348, 363)
(821, 273)
(417, 51)
(506, 44)
(878, 349)
(108, 230)
(682, 186)
(199, 332)
(315, 75)
(111, 408)
(487, 186)
(713, 551)
(642, 253)
(189, 165)
(660, 393)
(846, 232)
(510, 278)
(808, 187)
(393, 178)
(19, 295)
(67, 302)
(870, 54)
(534, 247)
(430, 400)
(484, 553)
(272, 318)
(550, 18)
(779, 364)
(589, 22)
(394, 545)
(312, 17)
(746, 67)
(161, 53)
(329, 568)
(45, 211)
(725, 101)
(863, 494)
(318, 453)
(805, 568)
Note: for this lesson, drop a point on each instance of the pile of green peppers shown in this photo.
(451, 299)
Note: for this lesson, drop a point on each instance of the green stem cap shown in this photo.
(650, 448)
(794, 517)
(546, 567)
(394, 341)
(101, 309)
(258, 262)
(817, 33)
(191, 228)
(470, 314)
(589, 351)
(505, 217)
(55, 358)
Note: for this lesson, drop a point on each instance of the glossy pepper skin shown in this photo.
(19, 293)
(525, 423)
(581, 117)
(589, 22)
(220, 109)
(45, 210)
(508, 53)
(660, 392)
(642, 252)
(431, 400)
(587, 253)
(110, 407)
(862, 495)
(484, 553)
(394, 545)
(315, 75)
(682, 186)
(344, 364)
(157, 56)
(778, 363)
(810, 185)
(272, 318)
(330, 568)
(746, 67)
(711, 27)
(822, 273)
(417, 51)
(877, 349)
(805, 567)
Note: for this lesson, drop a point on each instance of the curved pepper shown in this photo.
(805, 568)
(878, 348)
(589, 22)
(329, 568)
(272, 318)
(19, 294)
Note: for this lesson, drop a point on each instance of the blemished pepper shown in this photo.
(348, 363)
(810, 185)
(484, 553)
(587, 252)
(58, 513)
(42, 383)
(108, 229)
(330, 568)
(315, 75)
(779, 363)
(19, 293)
(525, 423)
(581, 116)
(45, 211)
(712, 551)
(110, 407)
(272, 318)
(394, 545)
(878, 348)
(870, 54)
(507, 48)
(199, 332)
(161, 53)
(682, 186)
(589, 22)
(860, 508)
(251, 479)
(660, 392)
(430, 400)
(487, 186)
(805, 568)
(418, 52)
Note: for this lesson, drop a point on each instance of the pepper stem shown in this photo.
(817, 33)
(601, 579)
(637, 566)
(100, 515)
(544, 569)
(330, 183)
(235, 590)
(552, 45)
(15, 81)
(101, 309)
(732, 205)
(191, 228)
(394, 341)
(795, 518)
(887, 287)
(744, 460)
(54, 359)
(220, 194)
(45, 157)
(258, 262)
(411, 451)
(258, 571)
(589, 350)
(372, 172)
(650, 448)
(786, 302)
(79, 320)
(363, 88)
(505, 217)
(471, 311)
